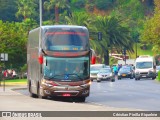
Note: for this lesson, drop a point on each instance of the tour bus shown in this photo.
(145, 67)
(58, 59)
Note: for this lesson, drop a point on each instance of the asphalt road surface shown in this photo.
(125, 93)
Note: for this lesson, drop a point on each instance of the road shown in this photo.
(121, 95)
(124, 93)
(127, 93)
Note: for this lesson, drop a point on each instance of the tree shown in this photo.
(151, 32)
(78, 18)
(8, 9)
(114, 36)
(13, 41)
(26, 8)
(57, 4)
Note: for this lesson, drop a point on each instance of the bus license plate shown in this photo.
(66, 94)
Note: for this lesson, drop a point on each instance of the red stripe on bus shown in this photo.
(66, 54)
(65, 33)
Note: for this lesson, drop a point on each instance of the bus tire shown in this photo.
(30, 91)
(39, 95)
(81, 99)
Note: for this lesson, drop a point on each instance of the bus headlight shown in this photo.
(44, 82)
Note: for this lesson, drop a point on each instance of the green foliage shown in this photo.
(8, 10)
(78, 4)
(13, 41)
(78, 18)
(26, 8)
(103, 4)
(158, 78)
(151, 32)
(157, 58)
(24, 68)
(115, 36)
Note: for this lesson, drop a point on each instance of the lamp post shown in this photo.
(40, 13)
(136, 48)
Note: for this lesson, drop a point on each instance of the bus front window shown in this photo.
(66, 69)
(70, 40)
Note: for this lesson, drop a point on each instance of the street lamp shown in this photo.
(136, 48)
(40, 13)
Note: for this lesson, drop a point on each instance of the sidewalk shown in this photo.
(9, 89)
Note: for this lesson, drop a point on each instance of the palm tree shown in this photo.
(26, 8)
(114, 36)
(78, 18)
(56, 4)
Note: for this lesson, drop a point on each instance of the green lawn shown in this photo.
(16, 80)
(141, 52)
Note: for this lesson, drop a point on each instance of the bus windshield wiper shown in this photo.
(76, 75)
(51, 77)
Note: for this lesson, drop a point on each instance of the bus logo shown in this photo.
(66, 77)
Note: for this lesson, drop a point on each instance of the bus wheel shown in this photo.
(39, 94)
(81, 99)
(30, 92)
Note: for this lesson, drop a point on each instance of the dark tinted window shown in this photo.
(67, 40)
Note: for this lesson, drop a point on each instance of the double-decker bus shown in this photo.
(58, 59)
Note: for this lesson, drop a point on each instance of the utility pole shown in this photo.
(40, 13)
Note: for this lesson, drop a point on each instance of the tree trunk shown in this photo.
(106, 58)
(56, 14)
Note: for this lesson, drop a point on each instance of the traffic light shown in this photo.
(124, 51)
(124, 58)
(99, 35)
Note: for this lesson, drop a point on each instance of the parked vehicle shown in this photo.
(157, 69)
(145, 67)
(94, 69)
(126, 72)
(105, 74)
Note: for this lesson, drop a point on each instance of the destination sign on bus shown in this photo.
(66, 48)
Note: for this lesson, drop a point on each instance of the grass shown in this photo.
(158, 77)
(15, 82)
(141, 52)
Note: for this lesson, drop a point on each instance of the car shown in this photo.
(94, 69)
(145, 67)
(157, 69)
(126, 72)
(105, 74)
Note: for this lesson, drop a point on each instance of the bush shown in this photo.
(103, 4)
(158, 78)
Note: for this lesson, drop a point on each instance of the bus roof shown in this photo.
(63, 26)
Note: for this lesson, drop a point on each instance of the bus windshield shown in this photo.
(66, 40)
(66, 69)
(144, 65)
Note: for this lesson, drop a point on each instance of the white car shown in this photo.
(105, 74)
(94, 70)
